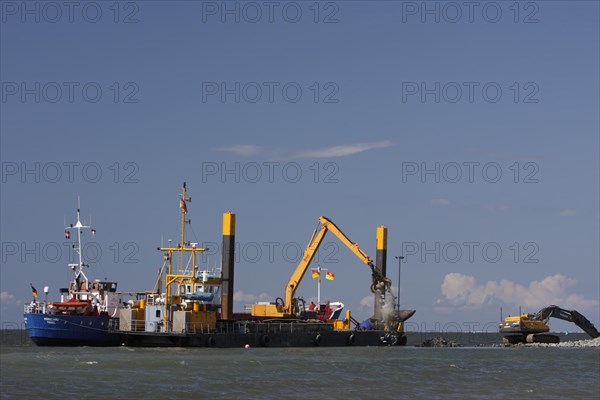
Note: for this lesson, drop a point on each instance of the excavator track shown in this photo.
(511, 340)
(542, 338)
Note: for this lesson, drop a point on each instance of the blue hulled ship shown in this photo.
(87, 313)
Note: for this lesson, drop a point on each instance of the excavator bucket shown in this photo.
(406, 314)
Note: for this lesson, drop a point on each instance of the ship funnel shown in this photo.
(227, 261)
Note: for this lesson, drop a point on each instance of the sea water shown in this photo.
(28, 371)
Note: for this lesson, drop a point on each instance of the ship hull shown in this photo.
(265, 335)
(222, 340)
(75, 330)
(70, 330)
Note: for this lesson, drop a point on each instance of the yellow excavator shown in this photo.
(289, 307)
(532, 328)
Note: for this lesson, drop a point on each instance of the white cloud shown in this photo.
(243, 297)
(7, 298)
(463, 291)
(264, 297)
(367, 302)
(246, 150)
(343, 150)
(568, 212)
(440, 202)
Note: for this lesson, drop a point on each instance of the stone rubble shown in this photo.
(439, 342)
(579, 343)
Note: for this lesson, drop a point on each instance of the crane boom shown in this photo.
(324, 225)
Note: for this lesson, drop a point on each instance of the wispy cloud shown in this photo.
(495, 207)
(568, 212)
(245, 150)
(463, 291)
(440, 202)
(343, 150)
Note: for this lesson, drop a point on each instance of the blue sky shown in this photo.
(476, 142)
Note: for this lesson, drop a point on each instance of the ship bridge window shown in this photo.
(157, 313)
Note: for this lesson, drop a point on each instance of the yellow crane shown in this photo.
(289, 306)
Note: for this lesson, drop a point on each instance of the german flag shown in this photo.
(183, 206)
(33, 291)
(329, 276)
(315, 273)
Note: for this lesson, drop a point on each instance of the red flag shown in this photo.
(183, 206)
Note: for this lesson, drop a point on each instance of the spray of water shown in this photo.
(388, 310)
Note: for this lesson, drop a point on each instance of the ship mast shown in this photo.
(183, 206)
(179, 277)
(78, 268)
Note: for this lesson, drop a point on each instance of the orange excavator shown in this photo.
(289, 307)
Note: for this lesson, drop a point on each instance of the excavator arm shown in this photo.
(571, 316)
(286, 309)
(325, 225)
(380, 282)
